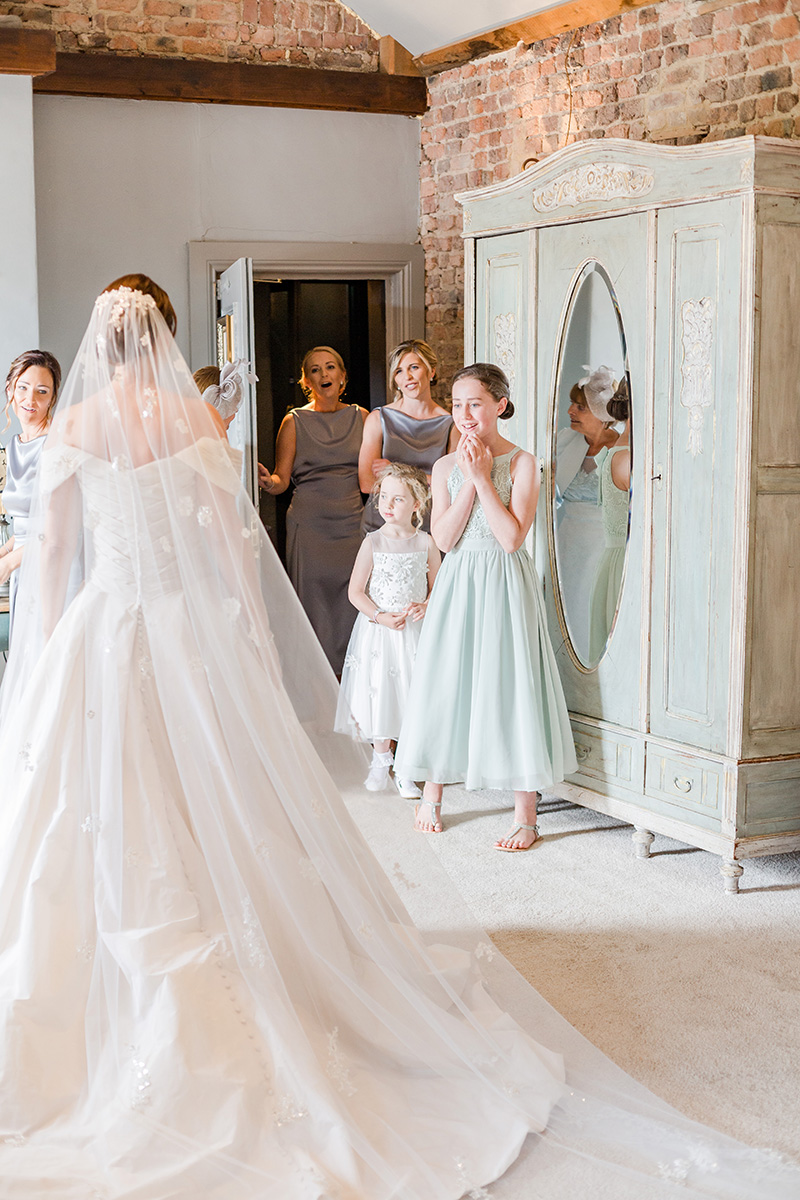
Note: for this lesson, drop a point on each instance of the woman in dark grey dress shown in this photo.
(31, 392)
(317, 450)
(411, 429)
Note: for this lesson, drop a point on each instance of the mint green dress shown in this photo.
(486, 707)
(608, 578)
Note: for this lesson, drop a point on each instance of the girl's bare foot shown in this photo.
(428, 813)
(521, 837)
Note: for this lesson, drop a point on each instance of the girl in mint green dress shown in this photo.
(486, 707)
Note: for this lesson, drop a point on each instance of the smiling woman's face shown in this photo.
(324, 377)
(32, 398)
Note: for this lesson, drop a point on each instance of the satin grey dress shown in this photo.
(23, 464)
(413, 442)
(323, 524)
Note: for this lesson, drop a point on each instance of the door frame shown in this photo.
(402, 267)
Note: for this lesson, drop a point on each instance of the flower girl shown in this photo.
(391, 581)
(486, 707)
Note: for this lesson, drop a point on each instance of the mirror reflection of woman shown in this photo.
(615, 483)
(580, 453)
(412, 428)
(31, 392)
(317, 450)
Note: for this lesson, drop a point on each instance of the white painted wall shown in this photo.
(19, 316)
(124, 185)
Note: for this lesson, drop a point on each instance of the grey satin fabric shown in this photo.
(323, 524)
(415, 443)
(23, 464)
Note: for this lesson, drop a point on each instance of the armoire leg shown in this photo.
(731, 873)
(642, 841)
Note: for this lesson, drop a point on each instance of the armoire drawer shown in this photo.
(692, 783)
(607, 756)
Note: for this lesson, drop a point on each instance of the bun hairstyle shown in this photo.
(32, 358)
(144, 284)
(619, 406)
(415, 480)
(411, 346)
(337, 358)
(118, 352)
(493, 380)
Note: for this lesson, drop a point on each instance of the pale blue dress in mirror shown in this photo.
(608, 578)
(486, 706)
(579, 531)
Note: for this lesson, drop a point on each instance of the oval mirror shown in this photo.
(591, 466)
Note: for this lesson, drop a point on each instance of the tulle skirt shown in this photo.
(376, 679)
(486, 706)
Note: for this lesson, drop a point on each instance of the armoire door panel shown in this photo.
(610, 691)
(503, 333)
(696, 390)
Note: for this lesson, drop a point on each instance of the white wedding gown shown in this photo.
(301, 1043)
(209, 990)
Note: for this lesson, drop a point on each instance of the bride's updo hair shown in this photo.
(143, 283)
(619, 406)
(493, 380)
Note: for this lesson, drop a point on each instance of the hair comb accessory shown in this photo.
(598, 387)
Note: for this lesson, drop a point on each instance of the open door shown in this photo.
(236, 339)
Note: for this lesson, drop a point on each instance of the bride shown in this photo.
(208, 988)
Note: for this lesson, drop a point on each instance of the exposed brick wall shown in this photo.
(678, 72)
(306, 33)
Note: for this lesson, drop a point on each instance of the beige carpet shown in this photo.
(694, 992)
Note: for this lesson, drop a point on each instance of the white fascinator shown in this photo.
(598, 387)
(226, 397)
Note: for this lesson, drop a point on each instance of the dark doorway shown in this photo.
(291, 316)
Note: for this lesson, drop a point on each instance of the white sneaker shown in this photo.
(407, 788)
(378, 778)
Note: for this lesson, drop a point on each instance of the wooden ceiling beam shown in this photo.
(197, 81)
(552, 21)
(26, 51)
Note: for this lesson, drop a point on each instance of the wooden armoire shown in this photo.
(689, 723)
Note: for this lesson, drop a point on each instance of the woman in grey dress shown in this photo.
(411, 429)
(317, 450)
(31, 392)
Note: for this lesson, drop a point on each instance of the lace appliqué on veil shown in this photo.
(140, 1081)
(252, 938)
(471, 1190)
(289, 1109)
(336, 1068)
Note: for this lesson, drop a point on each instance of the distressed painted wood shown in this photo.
(690, 725)
(503, 326)
(697, 411)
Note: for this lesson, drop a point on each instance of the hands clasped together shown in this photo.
(412, 612)
(474, 459)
